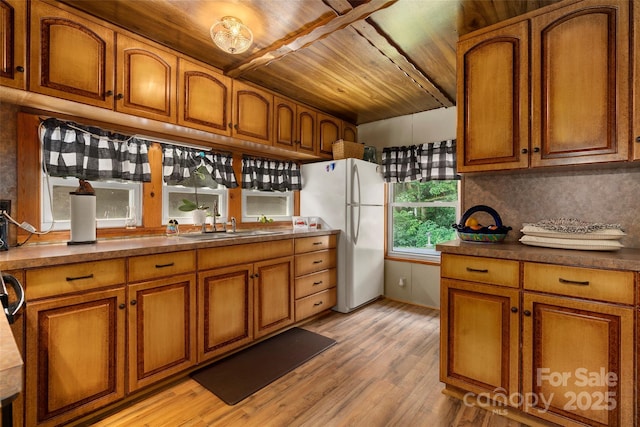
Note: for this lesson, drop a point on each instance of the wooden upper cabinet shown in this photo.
(329, 131)
(580, 84)
(349, 132)
(71, 57)
(493, 100)
(204, 98)
(146, 81)
(636, 84)
(13, 39)
(294, 126)
(252, 112)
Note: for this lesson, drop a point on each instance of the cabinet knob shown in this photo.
(20, 69)
(526, 313)
(235, 126)
(637, 138)
(230, 125)
(536, 149)
(133, 302)
(514, 309)
(257, 275)
(108, 93)
(119, 96)
(121, 306)
(524, 151)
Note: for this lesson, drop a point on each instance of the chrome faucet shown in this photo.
(214, 225)
(233, 224)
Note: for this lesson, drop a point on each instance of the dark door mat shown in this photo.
(240, 375)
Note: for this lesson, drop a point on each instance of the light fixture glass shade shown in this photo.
(231, 35)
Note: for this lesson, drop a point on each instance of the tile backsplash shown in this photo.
(605, 195)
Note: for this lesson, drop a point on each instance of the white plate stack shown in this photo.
(570, 233)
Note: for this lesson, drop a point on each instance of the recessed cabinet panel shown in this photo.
(252, 113)
(580, 83)
(329, 131)
(204, 98)
(307, 119)
(61, 43)
(13, 37)
(285, 123)
(493, 110)
(273, 295)
(146, 80)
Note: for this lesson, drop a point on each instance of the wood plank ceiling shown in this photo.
(358, 60)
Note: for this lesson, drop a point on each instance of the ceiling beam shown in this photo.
(322, 29)
(381, 41)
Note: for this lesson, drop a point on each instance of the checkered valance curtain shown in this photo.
(425, 162)
(270, 175)
(179, 163)
(91, 153)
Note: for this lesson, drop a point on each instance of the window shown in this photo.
(273, 204)
(421, 215)
(173, 195)
(115, 202)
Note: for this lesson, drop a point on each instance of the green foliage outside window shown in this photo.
(423, 213)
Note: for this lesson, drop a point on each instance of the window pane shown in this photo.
(422, 227)
(175, 200)
(431, 191)
(273, 205)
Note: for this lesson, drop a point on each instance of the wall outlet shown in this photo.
(5, 205)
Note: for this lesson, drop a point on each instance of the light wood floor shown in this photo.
(382, 372)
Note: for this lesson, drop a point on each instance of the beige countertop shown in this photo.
(43, 255)
(623, 259)
(10, 362)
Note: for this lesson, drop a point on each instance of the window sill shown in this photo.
(415, 259)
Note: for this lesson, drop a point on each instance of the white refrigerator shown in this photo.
(349, 195)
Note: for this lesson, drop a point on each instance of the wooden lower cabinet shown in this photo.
(162, 328)
(480, 334)
(225, 307)
(273, 295)
(578, 361)
(75, 355)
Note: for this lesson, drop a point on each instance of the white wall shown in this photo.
(421, 282)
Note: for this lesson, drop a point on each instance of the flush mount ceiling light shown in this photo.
(231, 35)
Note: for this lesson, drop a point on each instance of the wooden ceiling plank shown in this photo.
(307, 37)
(380, 41)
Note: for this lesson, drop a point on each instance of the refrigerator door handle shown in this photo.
(355, 227)
(355, 176)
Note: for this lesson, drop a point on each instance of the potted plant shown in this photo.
(199, 210)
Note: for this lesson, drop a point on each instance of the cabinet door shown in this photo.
(306, 130)
(349, 132)
(162, 329)
(13, 39)
(329, 131)
(580, 83)
(479, 344)
(146, 80)
(273, 295)
(578, 361)
(75, 355)
(225, 308)
(284, 123)
(636, 83)
(493, 100)
(204, 98)
(71, 57)
(251, 113)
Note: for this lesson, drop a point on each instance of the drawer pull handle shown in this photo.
(526, 313)
(164, 265)
(317, 283)
(318, 261)
(573, 282)
(71, 279)
(317, 243)
(317, 304)
(476, 270)
(514, 309)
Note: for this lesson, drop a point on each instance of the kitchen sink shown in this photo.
(228, 234)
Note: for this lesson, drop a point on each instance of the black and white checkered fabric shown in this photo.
(91, 153)
(178, 164)
(425, 162)
(270, 175)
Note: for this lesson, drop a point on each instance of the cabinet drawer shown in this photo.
(64, 279)
(314, 304)
(315, 261)
(242, 254)
(315, 282)
(603, 285)
(148, 267)
(315, 243)
(478, 269)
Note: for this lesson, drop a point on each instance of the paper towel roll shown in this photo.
(83, 218)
